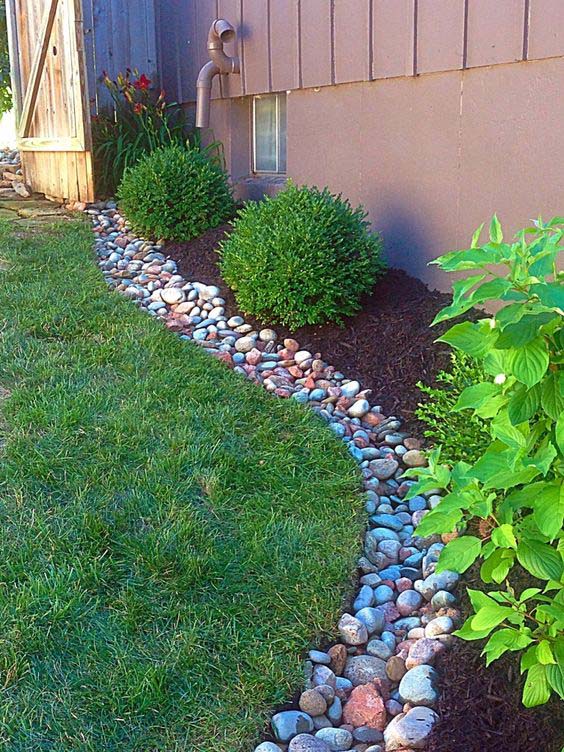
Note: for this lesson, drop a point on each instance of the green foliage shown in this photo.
(5, 83)
(138, 122)
(516, 486)
(461, 436)
(302, 257)
(167, 549)
(175, 193)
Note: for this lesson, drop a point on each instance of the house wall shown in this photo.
(118, 34)
(431, 113)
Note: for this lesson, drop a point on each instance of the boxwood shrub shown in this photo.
(175, 193)
(302, 257)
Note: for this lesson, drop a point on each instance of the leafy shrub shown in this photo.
(302, 257)
(138, 122)
(5, 81)
(175, 193)
(459, 435)
(516, 487)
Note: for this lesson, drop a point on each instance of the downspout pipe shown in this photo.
(221, 32)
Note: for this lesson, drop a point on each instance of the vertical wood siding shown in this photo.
(292, 44)
(119, 34)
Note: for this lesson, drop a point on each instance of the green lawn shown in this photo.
(172, 538)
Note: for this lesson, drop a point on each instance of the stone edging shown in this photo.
(375, 689)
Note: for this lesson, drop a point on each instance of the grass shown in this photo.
(172, 537)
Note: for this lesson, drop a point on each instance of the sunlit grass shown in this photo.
(171, 537)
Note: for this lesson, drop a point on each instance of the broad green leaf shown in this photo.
(544, 653)
(529, 593)
(527, 329)
(459, 554)
(540, 559)
(548, 505)
(528, 659)
(543, 458)
(472, 338)
(504, 537)
(497, 566)
(438, 521)
(523, 404)
(530, 362)
(502, 641)
(555, 676)
(496, 469)
(494, 289)
(467, 632)
(552, 395)
(496, 234)
(536, 690)
(490, 616)
(479, 599)
(476, 236)
(470, 258)
(551, 295)
(560, 433)
(502, 429)
(476, 395)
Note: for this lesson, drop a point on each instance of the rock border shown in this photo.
(375, 689)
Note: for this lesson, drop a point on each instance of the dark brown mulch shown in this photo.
(388, 346)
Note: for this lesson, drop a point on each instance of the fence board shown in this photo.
(316, 47)
(546, 29)
(351, 30)
(495, 32)
(392, 38)
(440, 35)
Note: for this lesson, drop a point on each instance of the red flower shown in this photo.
(138, 108)
(142, 82)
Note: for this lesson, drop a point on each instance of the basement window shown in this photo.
(269, 133)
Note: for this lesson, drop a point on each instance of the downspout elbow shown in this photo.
(203, 93)
(221, 31)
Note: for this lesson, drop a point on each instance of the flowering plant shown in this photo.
(512, 496)
(138, 122)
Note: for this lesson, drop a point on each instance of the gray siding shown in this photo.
(292, 44)
(118, 34)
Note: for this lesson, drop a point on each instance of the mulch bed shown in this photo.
(388, 346)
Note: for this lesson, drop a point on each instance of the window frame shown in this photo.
(254, 168)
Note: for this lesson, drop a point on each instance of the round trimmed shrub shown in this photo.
(302, 257)
(175, 193)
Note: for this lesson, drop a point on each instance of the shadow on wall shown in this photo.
(406, 243)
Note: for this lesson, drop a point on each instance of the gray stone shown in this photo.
(308, 743)
(439, 626)
(364, 599)
(446, 580)
(358, 409)
(290, 723)
(245, 344)
(411, 729)
(418, 686)
(383, 594)
(384, 469)
(318, 657)
(379, 649)
(408, 602)
(267, 747)
(361, 669)
(337, 739)
(352, 630)
(366, 734)
(351, 389)
(443, 599)
(373, 618)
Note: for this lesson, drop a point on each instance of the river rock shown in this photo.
(290, 723)
(337, 739)
(418, 686)
(362, 669)
(365, 707)
(352, 630)
(308, 743)
(410, 730)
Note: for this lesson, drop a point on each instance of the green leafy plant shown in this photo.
(5, 82)
(461, 436)
(512, 496)
(175, 193)
(302, 257)
(138, 121)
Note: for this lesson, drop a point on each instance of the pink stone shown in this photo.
(365, 707)
(404, 583)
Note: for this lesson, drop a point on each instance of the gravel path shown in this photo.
(375, 689)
